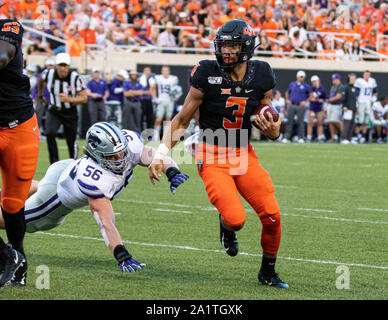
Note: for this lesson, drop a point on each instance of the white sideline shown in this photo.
(214, 251)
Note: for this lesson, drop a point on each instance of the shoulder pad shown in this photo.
(266, 75)
(135, 143)
(200, 72)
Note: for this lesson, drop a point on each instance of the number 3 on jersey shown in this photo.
(238, 113)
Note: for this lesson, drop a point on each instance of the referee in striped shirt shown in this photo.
(66, 91)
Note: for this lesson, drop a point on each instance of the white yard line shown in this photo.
(175, 211)
(251, 210)
(317, 210)
(212, 250)
(372, 209)
(334, 219)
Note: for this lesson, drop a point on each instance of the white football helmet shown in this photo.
(104, 140)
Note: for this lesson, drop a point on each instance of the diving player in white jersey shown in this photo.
(94, 180)
(165, 104)
(368, 94)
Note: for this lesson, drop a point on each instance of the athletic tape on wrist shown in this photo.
(161, 152)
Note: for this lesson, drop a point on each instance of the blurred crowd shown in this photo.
(322, 29)
(351, 111)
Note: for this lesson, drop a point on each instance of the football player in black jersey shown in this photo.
(226, 92)
(19, 148)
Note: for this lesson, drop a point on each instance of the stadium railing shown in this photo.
(299, 52)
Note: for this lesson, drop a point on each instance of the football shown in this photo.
(265, 109)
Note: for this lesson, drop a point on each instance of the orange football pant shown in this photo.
(225, 179)
(19, 149)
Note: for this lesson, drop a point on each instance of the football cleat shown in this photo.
(272, 280)
(20, 275)
(228, 240)
(10, 261)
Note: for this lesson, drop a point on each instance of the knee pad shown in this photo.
(12, 205)
(270, 221)
(237, 221)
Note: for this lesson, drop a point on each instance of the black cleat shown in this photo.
(228, 240)
(10, 261)
(19, 278)
(272, 280)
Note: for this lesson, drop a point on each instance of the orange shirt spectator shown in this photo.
(228, 16)
(11, 3)
(383, 47)
(89, 36)
(162, 3)
(232, 5)
(320, 21)
(216, 24)
(368, 10)
(328, 27)
(76, 45)
(372, 37)
(195, 6)
(346, 30)
(26, 5)
(269, 24)
(349, 38)
(247, 3)
(361, 29)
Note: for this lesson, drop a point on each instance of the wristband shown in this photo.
(172, 172)
(161, 152)
(121, 254)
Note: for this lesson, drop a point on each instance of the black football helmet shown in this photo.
(235, 32)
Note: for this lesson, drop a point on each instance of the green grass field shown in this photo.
(334, 208)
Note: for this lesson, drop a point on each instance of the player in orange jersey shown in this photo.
(19, 147)
(226, 92)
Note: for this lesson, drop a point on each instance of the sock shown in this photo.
(268, 266)
(15, 226)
